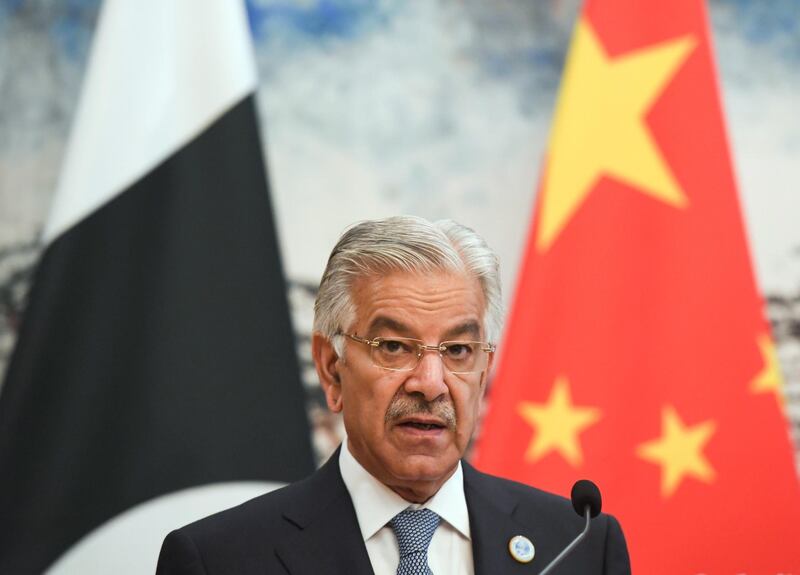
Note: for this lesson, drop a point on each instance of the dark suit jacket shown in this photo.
(310, 528)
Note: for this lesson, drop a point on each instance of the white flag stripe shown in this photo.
(128, 544)
(142, 103)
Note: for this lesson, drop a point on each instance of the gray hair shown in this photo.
(407, 244)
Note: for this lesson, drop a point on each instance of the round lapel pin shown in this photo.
(521, 549)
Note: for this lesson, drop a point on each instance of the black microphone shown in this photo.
(587, 502)
(584, 493)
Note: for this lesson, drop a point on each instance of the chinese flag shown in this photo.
(637, 352)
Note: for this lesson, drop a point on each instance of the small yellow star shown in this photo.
(599, 127)
(769, 378)
(679, 451)
(557, 424)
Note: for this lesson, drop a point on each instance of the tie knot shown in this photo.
(414, 529)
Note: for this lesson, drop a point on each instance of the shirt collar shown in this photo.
(376, 504)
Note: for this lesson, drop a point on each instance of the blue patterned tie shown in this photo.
(414, 529)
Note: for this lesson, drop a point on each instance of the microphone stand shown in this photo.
(572, 545)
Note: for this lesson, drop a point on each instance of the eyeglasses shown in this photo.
(404, 353)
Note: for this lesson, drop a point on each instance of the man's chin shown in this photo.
(420, 469)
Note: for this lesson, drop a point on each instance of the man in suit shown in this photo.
(404, 329)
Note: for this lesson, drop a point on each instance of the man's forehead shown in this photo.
(402, 301)
(397, 326)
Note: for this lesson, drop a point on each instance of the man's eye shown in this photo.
(458, 350)
(394, 347)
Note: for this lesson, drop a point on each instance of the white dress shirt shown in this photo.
(450, 551)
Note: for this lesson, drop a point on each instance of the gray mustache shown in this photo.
(408, 406)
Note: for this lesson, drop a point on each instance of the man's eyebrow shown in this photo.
(383, 322)
(469, 328)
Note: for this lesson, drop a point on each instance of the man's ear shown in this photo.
(327, 363)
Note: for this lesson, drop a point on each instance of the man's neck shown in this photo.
(413, 491)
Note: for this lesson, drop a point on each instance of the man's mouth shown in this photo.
(422, 425)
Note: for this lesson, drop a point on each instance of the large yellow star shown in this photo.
(769, 378)
(599, 126)
(557, 424)
(679, 451)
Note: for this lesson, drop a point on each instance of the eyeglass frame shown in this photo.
(422, 347)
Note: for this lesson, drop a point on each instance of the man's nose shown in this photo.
(428, 377)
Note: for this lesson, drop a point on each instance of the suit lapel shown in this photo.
(492, 526)
(329, 539)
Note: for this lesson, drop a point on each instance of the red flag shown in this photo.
(637, 353)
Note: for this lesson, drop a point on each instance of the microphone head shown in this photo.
(584, 493)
